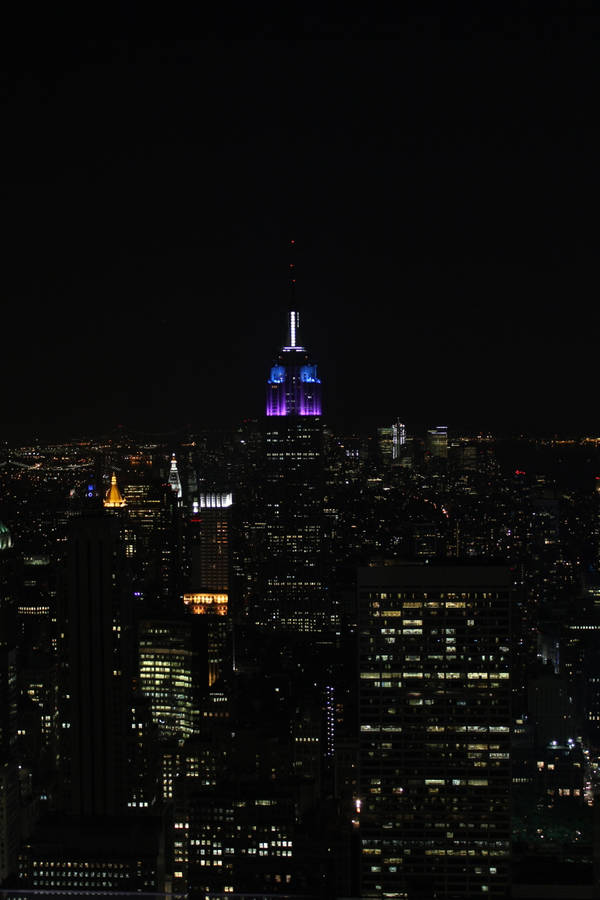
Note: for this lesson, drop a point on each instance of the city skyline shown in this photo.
(299, 462)
(323, 654)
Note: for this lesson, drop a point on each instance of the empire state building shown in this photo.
(293, 388)
(293, 596)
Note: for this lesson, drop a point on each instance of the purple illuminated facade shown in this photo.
(293, 388)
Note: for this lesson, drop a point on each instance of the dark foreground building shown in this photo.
(120, 853)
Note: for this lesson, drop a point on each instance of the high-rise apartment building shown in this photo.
(435, 724)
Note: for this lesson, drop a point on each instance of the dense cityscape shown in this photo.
(277, 660)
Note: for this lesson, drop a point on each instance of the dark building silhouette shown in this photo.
(98, 634)
(9, 781)
(99, 838)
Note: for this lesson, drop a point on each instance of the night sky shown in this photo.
(441, 183)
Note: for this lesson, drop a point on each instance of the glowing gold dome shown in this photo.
(113, 495)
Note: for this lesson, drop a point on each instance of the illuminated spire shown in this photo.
(113, 495)
(294, 317)
(293, 328)
(293, 387)
(174, 478)
(292, 268)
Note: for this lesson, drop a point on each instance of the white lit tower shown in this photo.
(174, 480)
(398, 440)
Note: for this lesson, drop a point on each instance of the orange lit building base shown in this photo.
(202, 604)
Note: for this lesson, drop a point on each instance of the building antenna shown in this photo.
(294, 317)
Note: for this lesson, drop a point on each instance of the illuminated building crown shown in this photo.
(174, 480)
(293, 387)
(113, 495)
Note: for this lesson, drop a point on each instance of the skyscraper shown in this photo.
(392, 441)
(293, 595)
(174, 480)
(398, 439)
(112, 836)
(208, 593)
(435, 725)
(97, 630)
(437, 442)
(169, 659)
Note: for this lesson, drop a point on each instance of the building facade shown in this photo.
(434, 797)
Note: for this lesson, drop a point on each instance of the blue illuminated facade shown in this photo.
(293, 387)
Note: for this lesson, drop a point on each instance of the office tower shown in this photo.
(392, 442)
(103, 841)
(238, 840)
(435, 725)
(98, 634)
(208, 589)
(8, 701)
(145, 505)
(153, 537)
(9, 588)
(385, 443)
(143, 762)
(437, 442)
(114, 837)
(398, 440)
(9, 818)
(9, 780)
(580, 661)
(250, 792)
(124, 853)
(210, 524)
(292, 595)
(169, 661)
(36, 618)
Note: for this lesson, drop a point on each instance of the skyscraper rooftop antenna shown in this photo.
(294, 318)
